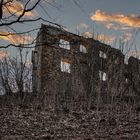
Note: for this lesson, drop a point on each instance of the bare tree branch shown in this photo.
(1, 11)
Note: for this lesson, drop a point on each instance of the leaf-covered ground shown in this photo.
(17, 123)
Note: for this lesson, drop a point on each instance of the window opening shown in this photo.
(64, 44)
(102, 55)
(102, 75)
(83, 49)
(65, 66)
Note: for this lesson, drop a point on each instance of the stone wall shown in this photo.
(94, 71)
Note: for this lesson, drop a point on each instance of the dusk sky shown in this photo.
(109, 20)
(77, 16)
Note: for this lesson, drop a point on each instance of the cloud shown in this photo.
(14, 38)
(109, 25)
(28, 64)
(3, 54)
(101, 37)
(105, 38)
(15, 8)
(130, 20)
(87, 35)
(133, 53)
(127, 37)
(82, 26)
(66, 29)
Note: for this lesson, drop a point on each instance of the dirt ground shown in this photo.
(26, 123)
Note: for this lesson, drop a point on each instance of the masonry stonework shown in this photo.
(96, 73)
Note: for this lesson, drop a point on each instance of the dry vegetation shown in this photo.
(23, 119)
(30, 121)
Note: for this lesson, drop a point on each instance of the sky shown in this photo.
(114, 22)
(86, 16)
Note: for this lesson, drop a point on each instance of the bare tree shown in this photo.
(16, 73)
(21, 12)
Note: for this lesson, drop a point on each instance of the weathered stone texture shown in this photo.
(83, 85)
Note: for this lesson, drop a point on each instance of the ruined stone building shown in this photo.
(73, 72)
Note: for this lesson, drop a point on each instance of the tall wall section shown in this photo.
(74, 72)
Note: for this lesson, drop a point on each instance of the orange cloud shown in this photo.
(87, 35)
(3, 54)
(103, 38)
(126, 37)
(15, 7)
(109, 25)
(28, 64)
(14, 38)
(131, 20)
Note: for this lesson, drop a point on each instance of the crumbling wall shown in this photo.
(96, 71)
(133, 77)
(62, 89)
(37, 63)
(110, 62)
